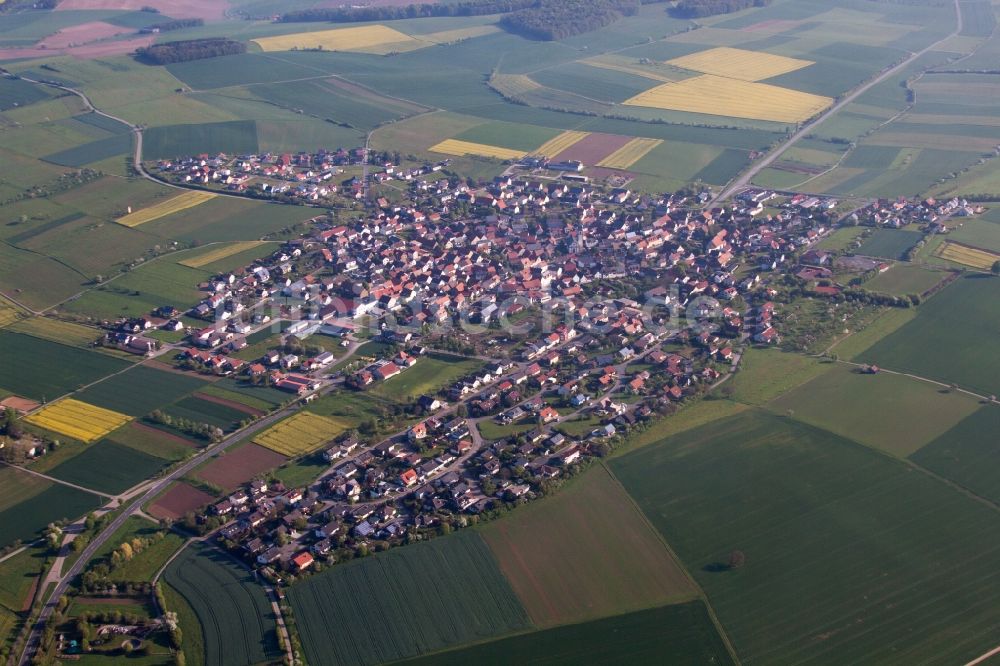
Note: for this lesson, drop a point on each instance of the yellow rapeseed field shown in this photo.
(513, 84)
(301, 433)
(556, 145)
(721, 96)
(342, 39)
(169, 207)
(739, 63)
(462, 148)
(78, 420)
(221, 252)
(629, 154)
(967, 256)
(8, 314)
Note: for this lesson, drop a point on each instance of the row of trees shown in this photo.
(190, 49)
(698, 8)
(177, 24)
(201, 430)
(416, 10)
(558, 19)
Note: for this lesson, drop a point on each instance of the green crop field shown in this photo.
(16, 93)
(509, 135)
(141, 390)
(967, 454)
(172, 141)
(950, 337)
(37, 369)
(681, 634)
(889, 243)
(95, 151)
(594, 82)
(585, 553)
(109, 467)
(405, 602)
(26, 520)
(158, 283)
(431, 374)
(901, 562)
(891, 412)
(203, 411)
(235, 617)
(227, 219)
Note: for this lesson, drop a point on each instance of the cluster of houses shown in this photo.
(929, 213)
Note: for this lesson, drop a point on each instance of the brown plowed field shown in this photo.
(82, 34)
(592, 149)
(210, 10)
(237, 467)
(177, 501)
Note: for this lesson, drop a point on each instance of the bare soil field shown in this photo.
(162, 433)
(177, 501)
(22, 405)
(593, 148)
(82, 34)
(239, 466)
(84, 52)
(210, 10)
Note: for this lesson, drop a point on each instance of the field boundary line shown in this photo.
(701, 592)
(59, 481)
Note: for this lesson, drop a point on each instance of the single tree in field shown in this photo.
(996, 268)
(737, 559)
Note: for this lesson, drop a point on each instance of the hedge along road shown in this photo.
(742, 181)
(50, 605)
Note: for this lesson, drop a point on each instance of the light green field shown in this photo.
(904, 279)
(431, 374)
(890, 412)
(766, 374)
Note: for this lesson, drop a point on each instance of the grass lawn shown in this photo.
(300, 473)
(891, 412)
(968, 453)
(431, 374)
(857, 342)
(17, 577)
(492, 430)
(144, 565)
(765, 374)
(951, 337)
(680, 634)
(905, 279)
(889, 243)
(194, 638)
(585, 553)
(902, 563)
